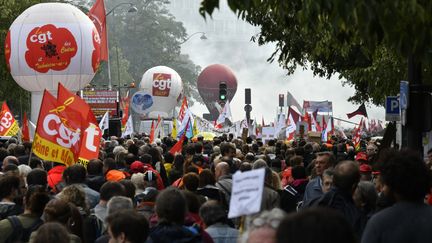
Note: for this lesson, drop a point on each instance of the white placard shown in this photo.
(268, 133)
(246, 195)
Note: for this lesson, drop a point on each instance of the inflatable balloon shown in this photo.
(161, 89)
(208, 85)
(51, 43)
(141, 102)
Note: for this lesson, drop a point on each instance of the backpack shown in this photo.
(290, 199)
(19, 233)
(93, 227)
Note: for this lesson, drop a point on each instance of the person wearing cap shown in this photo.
(361, 157)
(139, 167)
(111, 172)
(365, 172)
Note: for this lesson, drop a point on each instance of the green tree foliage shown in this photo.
(17, 98)
(366, 42)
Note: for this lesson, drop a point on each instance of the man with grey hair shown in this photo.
(215, 218)
(115, 204)
(262, 228)
(118, 203)
(314, 190)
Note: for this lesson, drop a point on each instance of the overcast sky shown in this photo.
(229, 43)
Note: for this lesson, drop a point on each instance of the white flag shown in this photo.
(291, 127)
(327, 130)
(32, 129)
(129, 127)
(279, 125)
(104, 123)
(225, 114)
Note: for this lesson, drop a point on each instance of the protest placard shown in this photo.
(246, 193)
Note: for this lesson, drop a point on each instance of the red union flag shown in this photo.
(59, 131)
(98, 16)
(8, 124)
(182, 111)
(161, 84)
(92, 134)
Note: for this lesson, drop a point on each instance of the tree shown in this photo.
(144, 39)
(17, 98)
(367, 42)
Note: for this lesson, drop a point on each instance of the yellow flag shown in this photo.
(195, 129)
(174, 129)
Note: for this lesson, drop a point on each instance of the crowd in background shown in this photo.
(136, 191)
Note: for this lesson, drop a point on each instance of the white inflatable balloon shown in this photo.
(165, 88)
(51, 43)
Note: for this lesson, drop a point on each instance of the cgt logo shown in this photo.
(161, 84)
(49, 47)
(65, 136)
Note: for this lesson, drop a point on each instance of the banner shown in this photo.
(59, 132)
(8, 124)
(92, 134)
(321, 106)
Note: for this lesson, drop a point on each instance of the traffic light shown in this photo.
(222, 91)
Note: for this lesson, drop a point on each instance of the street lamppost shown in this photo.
(132, 9)
(202, 37)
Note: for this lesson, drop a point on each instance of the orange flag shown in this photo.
(98, 16)
(152, 132)
(58, 133)
(92, 133)
(8, 124)
(25, 129)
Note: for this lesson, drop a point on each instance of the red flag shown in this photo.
(64, 96)
(59, 132)
(152, 132)
(98, 16)
(360, 111)
(91, 133)
(25, 129)
(177, 148)
(125, 107)
(357, 136)
(306, 118)
(8, 124)
(324, 124)
(315, 121)
(182, 111)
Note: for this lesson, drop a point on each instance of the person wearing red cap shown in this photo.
(361, 157)
(139, 167)
(365, 172)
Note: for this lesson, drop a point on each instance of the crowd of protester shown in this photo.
(136, 191)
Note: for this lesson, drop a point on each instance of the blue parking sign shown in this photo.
(392, 108)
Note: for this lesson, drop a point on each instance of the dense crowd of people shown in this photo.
(136, 191)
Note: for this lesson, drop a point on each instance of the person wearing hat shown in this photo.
(139, 167)
(361, 157)
(365, 172)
